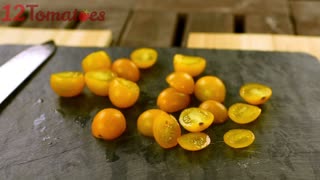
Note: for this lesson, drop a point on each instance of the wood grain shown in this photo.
(306, 15)
(263, 42)
(274, 24)
(146, 28)
(115, 20)
(208, 22)
(230, 6)
(96, 38)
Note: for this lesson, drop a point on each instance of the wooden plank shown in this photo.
(147, 28)
(285, 43)
(274, 24)
(230, 41)
(229, 6)
(64, 37)
(115, 20)
(306, 15)
(208, 22)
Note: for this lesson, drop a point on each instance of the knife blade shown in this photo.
(18, 68)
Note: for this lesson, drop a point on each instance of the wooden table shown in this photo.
(284, 25)
(263, 42)
(103, 38)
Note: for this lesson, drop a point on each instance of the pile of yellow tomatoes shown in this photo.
(118, 81)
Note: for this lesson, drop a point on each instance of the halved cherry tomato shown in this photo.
(181, 81)
(98, 81)
(98, 60)
(255, 94)
(171, 100)
(239, 138)
(123, 93)
(192, 65)
(126, 69)
(195, 119)
(144, 57)
(108, 124)
(194, 141)
(218, 110)
(67, 84)
(243, 113)
(210, 88)
(166, 130)
(145, 121)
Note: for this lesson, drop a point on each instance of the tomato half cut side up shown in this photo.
(144, 57)
(194, 141)
(195, 119)
(254, 93)
(243, 113)
(239, 138)
(166, 130)
(193, 65)
(67, 84)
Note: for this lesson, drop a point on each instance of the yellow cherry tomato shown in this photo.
(255, 94)
(98, 81)
(108, 124)
(181, 81)
(195, 119)
(166, 130)
(192, 65)
(126, 69)
(239, 138)
(194, 141)
(218, 110)
(67, 84)
(123, 93)
(210, 88)
(98, 60)
(243, 113)
(144, 57)
(171, 100)
(145, 121)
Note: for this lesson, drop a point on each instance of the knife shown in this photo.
(18, 68)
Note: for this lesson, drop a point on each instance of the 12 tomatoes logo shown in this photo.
(17, 13)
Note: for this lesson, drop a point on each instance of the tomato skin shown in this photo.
(67, 84)
(195, 119)
(98, 60)
(126, 69)
(243, 113)
(217, 109)
(170, 100)
(145, 121)
(181, 81)
(108, 124)
(144, 57)
(192, 65)
(194, 141)
(123, 93)
(239, 138)
(254, 93)
(166, 130)
(210, 88)
(98, 81)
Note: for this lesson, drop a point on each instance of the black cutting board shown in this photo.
(46, 137)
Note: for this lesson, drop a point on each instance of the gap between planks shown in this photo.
(260, 42)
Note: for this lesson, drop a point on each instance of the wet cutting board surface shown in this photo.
(44, 136)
